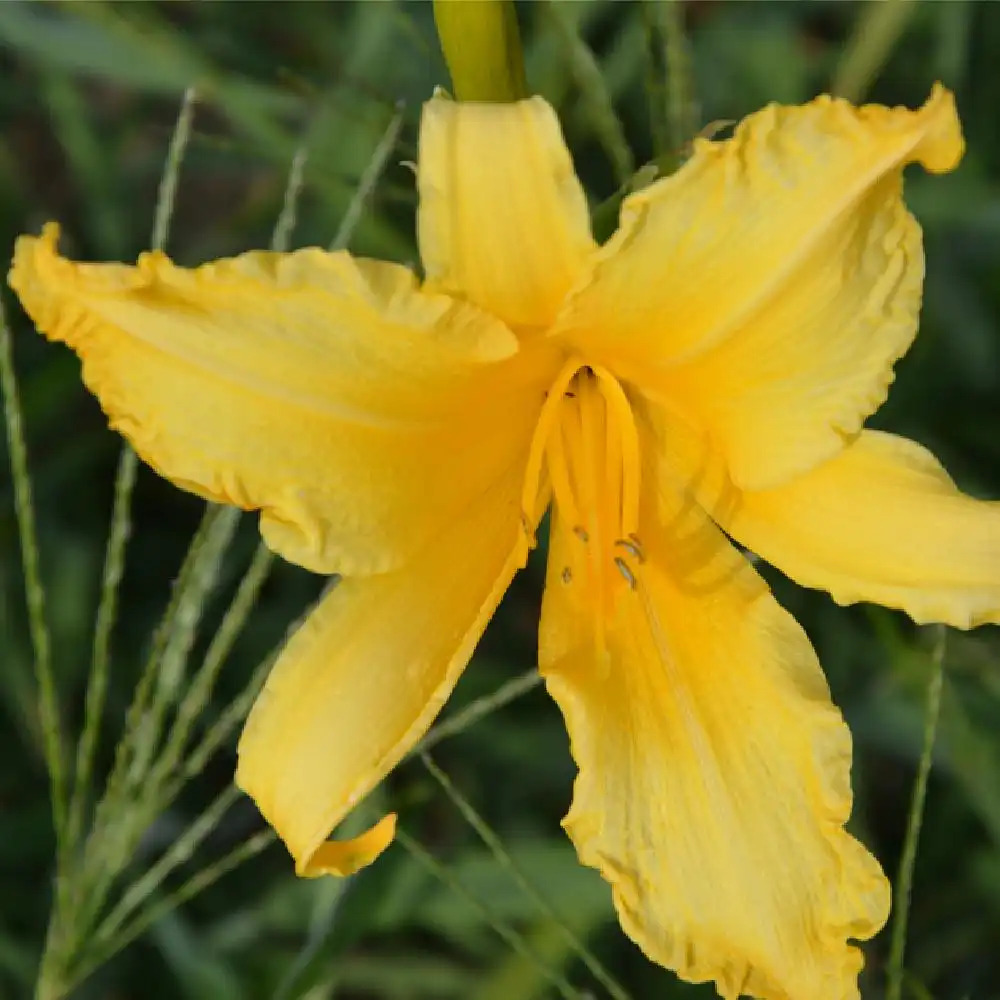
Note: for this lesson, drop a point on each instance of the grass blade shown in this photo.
(673, 110)
(904, 878)
(493, 842)
(196, 884)
(594, 93)
(878, 28)
(176, 854)
(504, 930)
(479, 709)
(166, 195)
(120, 528)
(127, 805)
(200, 689)
(48, 705)
(369, 181)
(282, 236)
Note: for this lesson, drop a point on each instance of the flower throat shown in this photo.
(587, 445)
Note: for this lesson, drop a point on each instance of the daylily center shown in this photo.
(587, 445)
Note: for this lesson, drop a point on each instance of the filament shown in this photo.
(620, 412)
(539, 442)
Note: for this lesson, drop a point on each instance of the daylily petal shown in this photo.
(358, 413)
(771, 283)
(714, 771)
(881, 522)
(362, 679)
(503, 220)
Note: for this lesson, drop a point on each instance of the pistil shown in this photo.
(586, 446)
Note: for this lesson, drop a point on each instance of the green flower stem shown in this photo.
(904, 878)
(482, 47)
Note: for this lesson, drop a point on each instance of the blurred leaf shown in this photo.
(198, 971)
(878, 28)
(579, 894)
(91, 91)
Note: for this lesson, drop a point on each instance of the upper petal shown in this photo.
(714, 775)
(503, 220)
(769, 285)
(356, 412)
(362, 679)
(882, 522)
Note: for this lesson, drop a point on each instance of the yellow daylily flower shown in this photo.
(707, 370)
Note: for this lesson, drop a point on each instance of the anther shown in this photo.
(633, 547)
(626, 572)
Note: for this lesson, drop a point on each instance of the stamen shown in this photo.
(632, 546)
(631, 471)
(585, 444)
(613, 457)
(586, 449)
(562, 484)
(539, 441)
(625, 570)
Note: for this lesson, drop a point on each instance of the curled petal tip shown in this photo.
(27, 249)
(36, 272)
(50, 233)
(941, 148)
(345, 857)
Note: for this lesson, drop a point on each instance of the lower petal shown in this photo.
(881, 522)
(714, 778)
(363, 678)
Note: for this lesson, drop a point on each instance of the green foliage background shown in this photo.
(89, 95)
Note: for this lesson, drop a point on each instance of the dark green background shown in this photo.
(88, 95)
